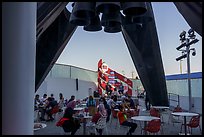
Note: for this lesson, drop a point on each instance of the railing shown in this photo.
(73, 72)
(173, 99)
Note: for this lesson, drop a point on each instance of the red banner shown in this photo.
(107, 75)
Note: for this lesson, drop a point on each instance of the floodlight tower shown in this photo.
(187, 42)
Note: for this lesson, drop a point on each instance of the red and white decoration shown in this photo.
(107, 75)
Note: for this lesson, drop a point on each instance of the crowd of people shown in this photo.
(46, 105)
(99, 108)
(119, 91)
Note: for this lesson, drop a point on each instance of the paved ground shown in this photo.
(168, 128)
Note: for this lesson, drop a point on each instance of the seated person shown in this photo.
(110, 101)
(42, 106)
(126, 103)
(51, 104)
(132, 104)
(71, 125)
(72, 98)
(114, 104)
(100, 113)
(91, 104)
(37, 102)
(122, 116)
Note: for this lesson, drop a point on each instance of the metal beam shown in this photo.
(143, 45)
(51, 44)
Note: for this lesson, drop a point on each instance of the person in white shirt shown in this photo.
(43, 99)
(110, 101)
(42, 108)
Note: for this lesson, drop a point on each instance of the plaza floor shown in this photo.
(168, 127)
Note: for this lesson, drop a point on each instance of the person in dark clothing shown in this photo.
(131, 102)
(108, 89)
(71, 125)
(72, 98)
(52, 96)
(52, 103)
(121, 89)
(147, 103)
(114, 103)
(37, 102)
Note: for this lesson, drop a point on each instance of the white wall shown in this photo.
(197, 101)
(42, 89)
(67, 87)
(197, 104)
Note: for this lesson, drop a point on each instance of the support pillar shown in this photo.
(18, 67)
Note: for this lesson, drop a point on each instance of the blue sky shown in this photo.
(86, 48)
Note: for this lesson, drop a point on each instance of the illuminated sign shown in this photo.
(112, 72)
(111, 77)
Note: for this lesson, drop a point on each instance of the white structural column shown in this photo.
(18, 67)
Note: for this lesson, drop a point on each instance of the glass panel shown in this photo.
(83, 74)
(60, 70)
(181, 87)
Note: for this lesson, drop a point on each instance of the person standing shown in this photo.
(72, 124)
(108, 89)
(91, 104)
(121, 89)
(61, 102)
(101, 112)
(147, 103)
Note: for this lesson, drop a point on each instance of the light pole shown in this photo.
(132, 74)
(181, 66)
(186, 42)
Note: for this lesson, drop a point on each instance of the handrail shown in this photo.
(170, 99)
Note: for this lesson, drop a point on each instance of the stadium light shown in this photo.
(186, 43)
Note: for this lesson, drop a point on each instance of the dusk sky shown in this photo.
(85, 48)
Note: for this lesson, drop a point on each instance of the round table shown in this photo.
(184, 114)
(43, 126)
(78, 109)
(160, 107)
(116, 109)
(119, 102)
(145, 119)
